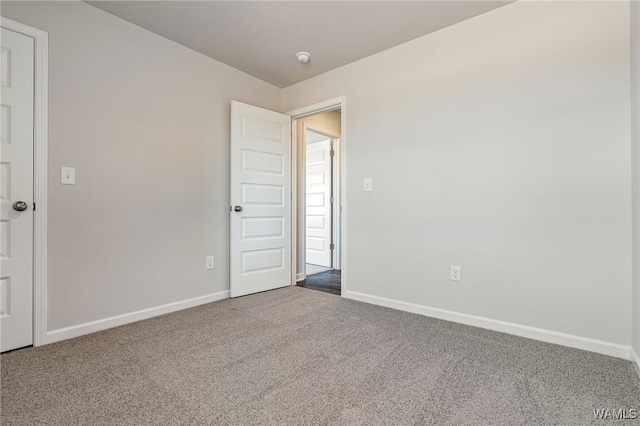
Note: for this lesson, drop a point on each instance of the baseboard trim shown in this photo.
(549, 336)
(301, 276)
(103, 324)
(635, 360)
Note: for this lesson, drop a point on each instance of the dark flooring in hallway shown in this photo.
(328, 282)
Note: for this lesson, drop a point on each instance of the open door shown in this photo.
(260, 199)
(16, 190)
(319, 199)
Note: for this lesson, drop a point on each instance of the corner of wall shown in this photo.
(635, 360)
(282, 101)
(635, 184)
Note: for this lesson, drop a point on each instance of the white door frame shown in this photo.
(335, 189)
(40, 148)
(329, 105)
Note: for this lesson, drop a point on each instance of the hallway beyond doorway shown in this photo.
(328, 282)
(311, 269)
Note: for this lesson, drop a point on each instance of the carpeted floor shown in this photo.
(299, 357)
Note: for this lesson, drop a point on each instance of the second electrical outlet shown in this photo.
(209, 264)
(455, 273)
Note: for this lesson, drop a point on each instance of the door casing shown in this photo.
(40, 149)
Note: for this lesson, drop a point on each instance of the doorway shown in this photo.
(318, 207)
(319, 201)
(291, 255)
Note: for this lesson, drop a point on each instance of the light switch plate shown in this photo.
(68, 176)
(368, 185)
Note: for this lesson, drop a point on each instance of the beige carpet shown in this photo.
(299, 357)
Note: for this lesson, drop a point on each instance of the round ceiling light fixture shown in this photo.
(303, 57)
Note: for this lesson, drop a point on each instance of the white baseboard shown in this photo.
(103, 324)
(578, 342)
(635, 360)
(301, 276)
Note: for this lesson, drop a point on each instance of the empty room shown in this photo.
(320, 212)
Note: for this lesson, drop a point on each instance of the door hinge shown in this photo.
(332, 153)
(34, 207)
(331, 200)
(332, 246)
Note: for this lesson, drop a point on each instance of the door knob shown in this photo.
(237, 208)
(20, 206)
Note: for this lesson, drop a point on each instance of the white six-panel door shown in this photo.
(260, 199)
(16, 184)
(318, 203)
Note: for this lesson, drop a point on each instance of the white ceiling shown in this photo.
(261, 38)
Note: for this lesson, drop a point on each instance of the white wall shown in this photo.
(635, 165)
(500, 144)
(145, 123)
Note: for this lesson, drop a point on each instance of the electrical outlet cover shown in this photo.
(455, 272)
(209, 262)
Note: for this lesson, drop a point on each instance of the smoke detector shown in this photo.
(303, 57)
